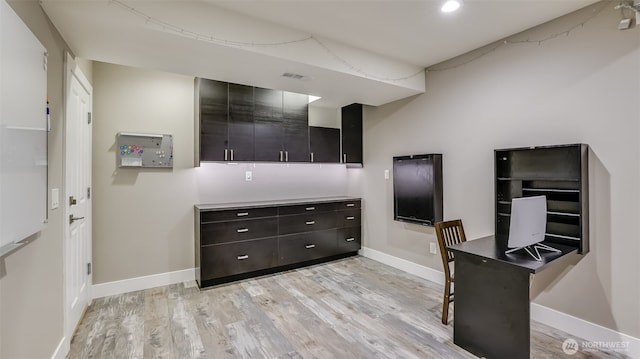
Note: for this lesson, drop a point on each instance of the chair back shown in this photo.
(449, 233)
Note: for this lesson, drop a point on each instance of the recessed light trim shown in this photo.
(451, 6)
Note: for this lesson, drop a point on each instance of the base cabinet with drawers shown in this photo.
(242, 240)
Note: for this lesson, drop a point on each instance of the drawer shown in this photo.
(349, 218)
(356, 203)
(233, 231)
(306, 222)
(349, 239)
(244, 213)
(307, 208)
(236, 258)
(297, 248)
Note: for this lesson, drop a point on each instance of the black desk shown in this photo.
(491, 308)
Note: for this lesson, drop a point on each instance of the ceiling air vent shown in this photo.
(294, 76)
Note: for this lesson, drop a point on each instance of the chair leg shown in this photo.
(445, 302)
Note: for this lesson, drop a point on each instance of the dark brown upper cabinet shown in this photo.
(352, 135)
(226, 121)
(295, 122)
(324, 144)
(269, 133)
(213, 103)
(245, 123)
(241, 124)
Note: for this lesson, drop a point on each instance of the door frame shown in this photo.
(71, 69)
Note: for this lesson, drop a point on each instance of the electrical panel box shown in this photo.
(144, 150)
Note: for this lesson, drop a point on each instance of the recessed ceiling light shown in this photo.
(313, 98)
(451, 5)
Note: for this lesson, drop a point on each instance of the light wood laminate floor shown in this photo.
(351, 308)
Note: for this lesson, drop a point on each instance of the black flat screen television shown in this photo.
(417, 189)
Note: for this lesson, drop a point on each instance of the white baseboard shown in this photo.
(583, 329)
(141, 283)
(62, 349)
(418, 270)
(580, 328)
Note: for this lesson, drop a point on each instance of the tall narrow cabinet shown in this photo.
(352, 135)
(558, 172)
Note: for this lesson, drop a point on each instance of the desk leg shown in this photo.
(491, 308)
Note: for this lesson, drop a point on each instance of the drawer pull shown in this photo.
(351, 218)
(310, 222)
(309, 246)
(310, 209)
(242, 214)
(243, 257)
(242, 230)
(351, 239)
(351, 204)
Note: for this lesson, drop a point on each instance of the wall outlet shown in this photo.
(433, 248)
(248, 176)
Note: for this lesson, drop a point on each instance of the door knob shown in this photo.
(72, 218)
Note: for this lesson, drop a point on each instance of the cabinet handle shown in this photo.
(226, 154)
(232, 155)
(310, 222)
(351, 204)
(311, 156)
(310, 209)
(351, 218)
(286, 156)
(243, 257)
(309, 246)
(351, 239)
(344, 158)
(242, 230)
(281, 156)
(242, 214)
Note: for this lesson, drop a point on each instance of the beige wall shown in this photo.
(31, 287)
(143, 218)
(580, 88)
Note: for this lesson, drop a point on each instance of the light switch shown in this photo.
(55, 198)
(248, 176)
(386, 174)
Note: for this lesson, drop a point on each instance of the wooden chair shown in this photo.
(449, 233)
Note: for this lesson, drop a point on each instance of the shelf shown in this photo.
(560, 173)
(550, 179)
(564, 214)
(551, 190)
(561, 236)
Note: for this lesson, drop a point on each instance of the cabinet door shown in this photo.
(324, 144)
(296, 127)
(268, 125)
(213, 119)
(352, 134)
(241, 131)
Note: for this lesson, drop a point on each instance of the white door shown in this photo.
(77, 199)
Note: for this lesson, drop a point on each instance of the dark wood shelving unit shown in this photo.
(558, 172)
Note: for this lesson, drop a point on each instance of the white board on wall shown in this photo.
(23, 131)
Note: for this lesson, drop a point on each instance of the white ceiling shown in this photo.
(367, 51)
